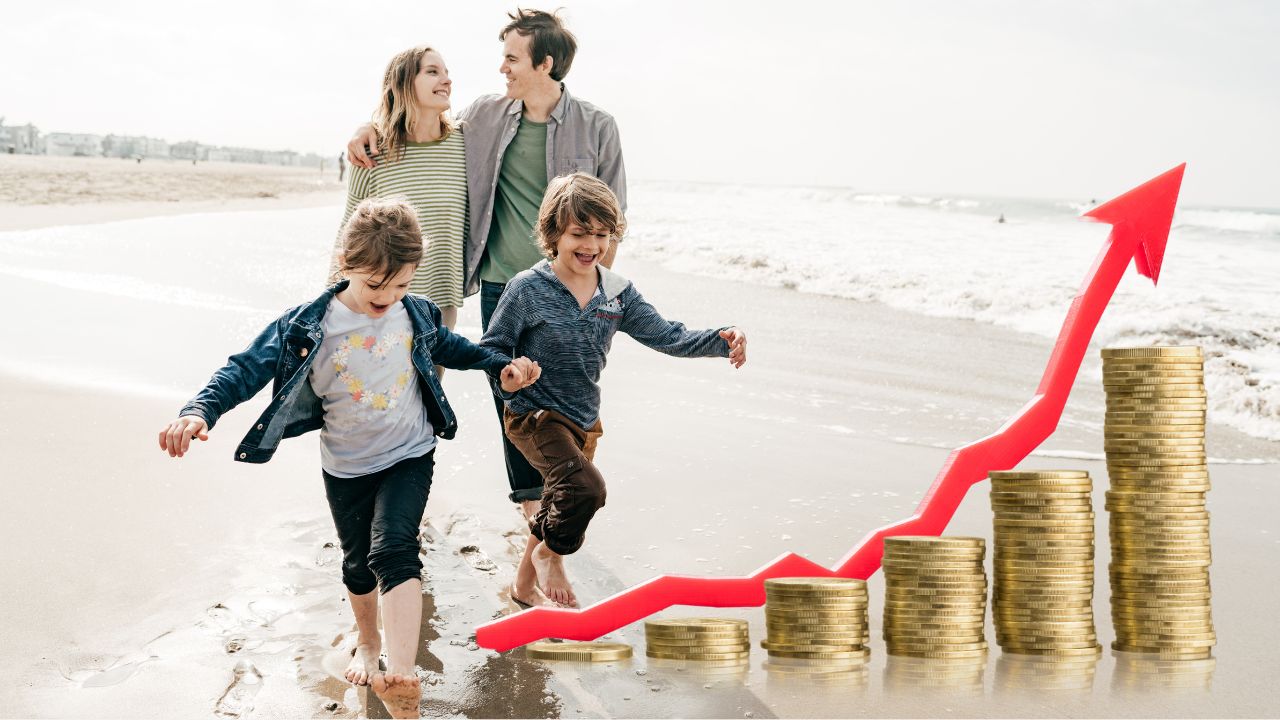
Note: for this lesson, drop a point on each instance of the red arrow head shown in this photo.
(1146, 210)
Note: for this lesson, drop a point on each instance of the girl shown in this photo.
(422, 158)
(563, 312)
(356, 364)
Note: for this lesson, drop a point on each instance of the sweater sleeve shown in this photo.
(642, 321)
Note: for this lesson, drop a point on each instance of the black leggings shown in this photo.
(378, 516)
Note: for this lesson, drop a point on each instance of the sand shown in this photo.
(141, 586)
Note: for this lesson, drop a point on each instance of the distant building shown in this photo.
(81, 144)
(127, 146)
(20, 139)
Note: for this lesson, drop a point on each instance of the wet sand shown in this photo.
(151, 587)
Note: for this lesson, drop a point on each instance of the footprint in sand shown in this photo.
(477, 559)
(109, 671)
(237, 701)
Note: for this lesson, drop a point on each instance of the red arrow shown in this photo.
(1139, 220)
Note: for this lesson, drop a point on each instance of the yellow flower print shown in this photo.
(379, 402)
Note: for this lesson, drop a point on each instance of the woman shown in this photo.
(422, 160)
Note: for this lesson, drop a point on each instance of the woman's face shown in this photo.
(432, 86)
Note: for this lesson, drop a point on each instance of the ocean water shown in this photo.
(939, 256)
(950, 257)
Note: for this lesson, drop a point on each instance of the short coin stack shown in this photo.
(935, 596)
(578, 651)
(1042, 602)
(720, 640)
(1160, 556)
(819, 618)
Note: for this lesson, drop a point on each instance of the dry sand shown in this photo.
(141, 586)
(39, 190)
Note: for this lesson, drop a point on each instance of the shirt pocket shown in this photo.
(568, 166)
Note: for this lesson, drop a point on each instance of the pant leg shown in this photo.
(525, 481)
(351, 502)
(574, 489)
(397, 519)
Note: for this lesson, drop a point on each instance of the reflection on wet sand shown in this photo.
(701, 672)
(1138, 674)
(1027, 674)
(955, 677)
(798, 675)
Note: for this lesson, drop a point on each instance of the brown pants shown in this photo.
(573, 489)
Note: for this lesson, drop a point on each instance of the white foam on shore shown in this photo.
(951, 259)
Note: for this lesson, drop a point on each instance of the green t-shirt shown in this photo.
(521, 182)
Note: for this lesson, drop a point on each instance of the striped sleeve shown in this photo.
(358, 183)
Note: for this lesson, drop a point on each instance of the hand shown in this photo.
(521, 373)
(365, 136)
(737, 340)
(176, 438)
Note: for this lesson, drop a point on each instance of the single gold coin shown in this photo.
(696, 624)
(578, 651)
(667, 655)
(841, 655)
(808, 584)
(1153, 351)
(934, 541)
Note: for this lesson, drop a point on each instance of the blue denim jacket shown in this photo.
(283, 352)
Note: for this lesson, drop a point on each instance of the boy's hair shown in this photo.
(381, 237)
(397, 109)
(550, 37)
(580, 198)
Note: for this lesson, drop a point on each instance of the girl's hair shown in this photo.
(381, 237)
(580, 198)
(397, 111)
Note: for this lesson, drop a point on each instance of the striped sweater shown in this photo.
(539, 317)
(431, 177)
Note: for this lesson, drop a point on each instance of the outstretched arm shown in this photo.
(643, 322)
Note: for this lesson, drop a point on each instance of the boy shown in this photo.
(563, 313)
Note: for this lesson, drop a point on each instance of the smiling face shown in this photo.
(368, 294)
(432, 86)
(523, 77)
(580, 248)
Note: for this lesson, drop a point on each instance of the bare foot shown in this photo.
(531, 597)
(400, 693)
(364, 663)
(549, 566)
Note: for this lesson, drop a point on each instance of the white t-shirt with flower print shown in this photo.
(374, 416)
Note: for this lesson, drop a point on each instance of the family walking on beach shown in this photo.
(522, 199)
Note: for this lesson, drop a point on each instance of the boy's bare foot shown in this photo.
(400, 692)
(364, 664)
(549, 566)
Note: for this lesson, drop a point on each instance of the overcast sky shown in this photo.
(1073, 99)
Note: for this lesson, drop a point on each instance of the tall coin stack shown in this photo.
(1042, 602)
(714, 640)
(819, 618)
(1154, 440)
(935, 596)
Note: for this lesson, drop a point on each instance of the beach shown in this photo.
(143, 586)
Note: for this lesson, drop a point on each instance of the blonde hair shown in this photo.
(380, 238)
(397, 111)
(580, 198)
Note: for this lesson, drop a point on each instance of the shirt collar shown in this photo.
(517, 106)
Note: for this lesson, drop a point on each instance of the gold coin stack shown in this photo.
(819, 618)
(1042, 602)
(578, 651)
(1154, 440)
(935, 596)
(714, 640)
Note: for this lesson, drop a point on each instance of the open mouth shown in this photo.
(585, 258)
(378, 309)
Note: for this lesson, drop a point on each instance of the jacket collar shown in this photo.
(517, 106)
(611, 283)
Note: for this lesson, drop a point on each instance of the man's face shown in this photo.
(517, 66)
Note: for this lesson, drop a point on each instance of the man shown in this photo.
(516, 143)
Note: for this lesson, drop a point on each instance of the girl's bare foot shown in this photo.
(551, 576)
(400, 693)
(531, 597)
(364, 663)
